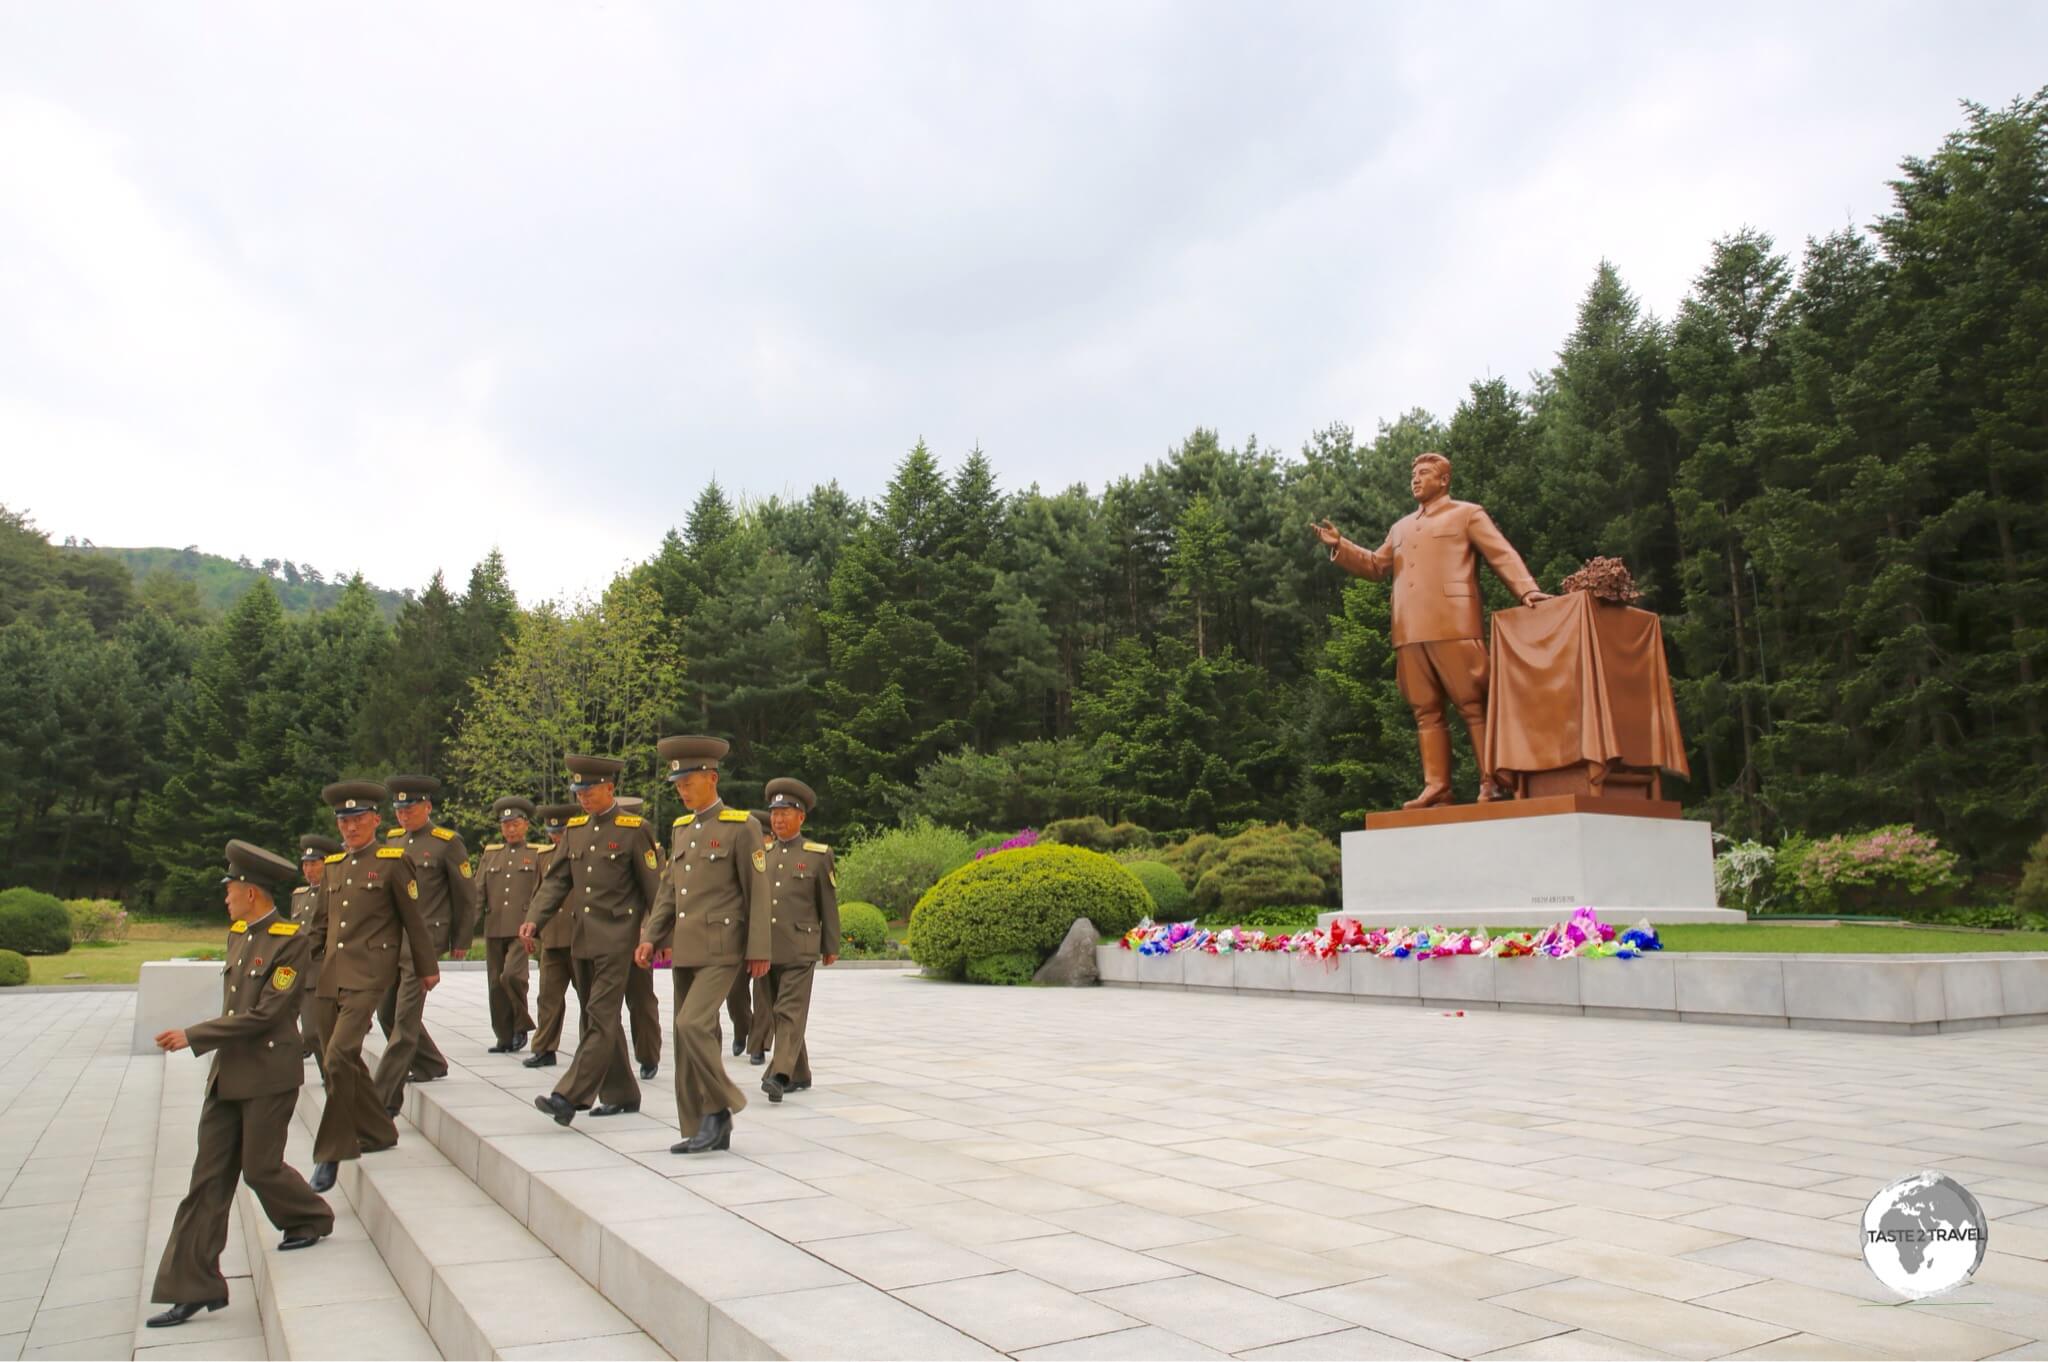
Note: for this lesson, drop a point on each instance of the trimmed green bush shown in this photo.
(1170, 897)
(1095, 835)
(1022, 901)
(1266, 864)
(13, 969)
(862, 925)
(2032, 895)
(96, 920)
(893, 870)
(1006, 967)
(1291, 917)
(33, 923)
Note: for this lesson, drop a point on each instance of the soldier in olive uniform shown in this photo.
(250, 1092)
(643, 1008)
(803, 913)
(313, 853)
(440, 863)
(604, 875)
(368, 917)
(552, 946)
(717, 870)
(751, 1003)
(506, 879)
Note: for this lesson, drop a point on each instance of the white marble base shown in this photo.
(1532, 871)
(173, 993)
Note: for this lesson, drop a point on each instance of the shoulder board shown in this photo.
(391, 853)
(816, 846)
(445, 834)
(579, 820)
(733, 815)
(686, 820)
(494, 846)
(284, 929)
(629, 820)
(336, 858)
(393, 832)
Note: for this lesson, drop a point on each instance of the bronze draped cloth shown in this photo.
(1579, 680)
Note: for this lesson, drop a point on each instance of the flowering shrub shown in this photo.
(1894, 869)
(1026, 838)
(96, 920)
(1745, 877)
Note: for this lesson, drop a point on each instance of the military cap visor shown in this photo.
(685, 753)
(412, 789)
(512, 806)
(555, 815)
(251, 864)
(313, 847)
(785, 792)
(586, 772)
(347, 797)
(630, 803)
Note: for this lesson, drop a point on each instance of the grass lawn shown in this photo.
(121, 962)
(1846, 939)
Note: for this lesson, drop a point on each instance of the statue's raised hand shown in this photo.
(1328, 533)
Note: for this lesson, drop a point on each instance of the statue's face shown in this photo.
(1429, 481)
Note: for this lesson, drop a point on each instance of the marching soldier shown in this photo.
(803, 914)
(604, 875)
(717, 869)
(506, 879)
(448, 906)
(552, 946)
(751, 1004)
(368, 917)
(313, 853)
(643, 1009)
(250, 1093)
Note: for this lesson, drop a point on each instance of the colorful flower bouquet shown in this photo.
(1581, 935)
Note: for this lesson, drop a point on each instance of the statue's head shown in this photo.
(1430, 477)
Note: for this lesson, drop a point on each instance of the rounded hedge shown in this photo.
(862, 925)
(1170, 897)
(33, 923)
(1022, 901)
(13, 969)
(1012, 968)
(893, 870)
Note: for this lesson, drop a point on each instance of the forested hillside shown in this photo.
(301, 588)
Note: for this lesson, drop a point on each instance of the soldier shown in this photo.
(506, 879)
(643, 1008)
(552, 946)
(367, 917)
(250, 1093)
(751, 1004)
(313, 853)
(440, 862)
(803, 913)
(717, 868)
(604, 875)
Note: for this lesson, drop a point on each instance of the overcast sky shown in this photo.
(379, 286)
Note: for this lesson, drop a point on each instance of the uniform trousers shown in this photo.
(506, 973)
(354, 1119)
(556, 973)
(789, 992)
(311, 1042)
(701, 1084)
(237, 1140)
(601, 1070)
(643, 1011)
(761, 1032)
(739, 1005)
(408, 1049)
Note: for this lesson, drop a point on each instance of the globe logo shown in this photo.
(1923, 1235)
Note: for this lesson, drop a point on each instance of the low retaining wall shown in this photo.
(1898, 994)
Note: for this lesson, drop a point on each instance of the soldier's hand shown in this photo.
(1328, 533)
(831, 959)
(429, 982)
(462, 954)
(173, 1039)
(757, 968)
(527, 933)
(532, 946)
(643, 955)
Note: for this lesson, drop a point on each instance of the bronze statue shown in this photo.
(1433, 556)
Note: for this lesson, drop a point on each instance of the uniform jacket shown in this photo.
(506, 878)
(1433, 556)
(255, 1041)
(447, 888)
(305, 904)
(558, 933)
(369, 911)
(603, 876)
(803, 902)
(714, 892)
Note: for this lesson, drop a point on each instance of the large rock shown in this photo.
(1073, 964)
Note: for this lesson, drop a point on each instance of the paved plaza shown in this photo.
(1124, 1173)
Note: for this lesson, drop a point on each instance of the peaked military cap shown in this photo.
(630, 803)
(512, 806)
(353, 796)
(253, 865)
(787, 792)
(314, 847)
(557, 815)
(691, 752)
(585, 772)
(411, 789)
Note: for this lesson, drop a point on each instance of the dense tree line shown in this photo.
(1827, 472)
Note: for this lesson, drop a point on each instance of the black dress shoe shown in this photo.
(542, 1059)
(298, 1241)
(178, 1314)
(503, 1047)
(518, 1043)
(392, 1112)
(757, 1057)
(800, 1087)
(615, 1109)
(739, 1045)
(774, 1087)
(648, 1071)
(557, 1106)
(323, 1177)
(714, 1133)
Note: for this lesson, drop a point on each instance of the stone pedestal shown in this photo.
(173, 993)
(1530, 862)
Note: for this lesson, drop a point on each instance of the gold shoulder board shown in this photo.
(445, 834)
(686, 820)
(629, 820)
(579, 820)
(336, 857)
(494, 846)
(816, 846)
(391, 853)
(284, 929)
(733, 815)
(393, 832)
